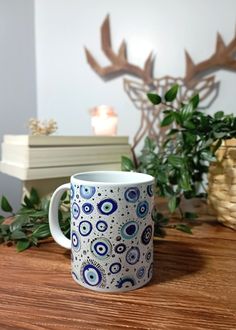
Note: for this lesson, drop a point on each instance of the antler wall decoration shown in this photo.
(194, 80)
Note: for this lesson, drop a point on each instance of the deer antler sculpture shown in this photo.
(119, 63)
(193, 82)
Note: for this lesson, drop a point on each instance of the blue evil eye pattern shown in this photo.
(150, 271)
(150, 190)
(120, 248)
(115, 268)
(107, 206)
(140, 272)
(92, 275)
(87, 208)
(101, 226)
(74, 275)
(125, 282)
(87, 191)
(85, 228)
(148, 256)
(75, 241)
(142, 209)
(146, 235)
(133, 255)
(129, 230)
(72, 191)
(75, 210)
(132, 194)
(101, 248)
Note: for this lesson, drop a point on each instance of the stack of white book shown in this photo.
(41, 158)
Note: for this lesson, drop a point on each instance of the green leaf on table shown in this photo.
(18, 234)
(5, 205)
(172, 204)
(168, 120)
(184, 228)
(190, 215)
(171, 94)
(18, 222)
(126, 164)
(154, 98)
(22, 245)
(39, 214)
(219, 135)
(42, 231)
(34, 197)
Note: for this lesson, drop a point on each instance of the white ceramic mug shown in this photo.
(111, 229)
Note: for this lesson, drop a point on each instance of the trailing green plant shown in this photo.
(29, 225)
(180, 164)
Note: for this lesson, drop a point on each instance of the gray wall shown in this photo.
(17, 77)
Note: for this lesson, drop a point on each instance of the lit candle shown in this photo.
(104, 120)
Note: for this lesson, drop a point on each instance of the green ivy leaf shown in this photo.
(172, 204)
(39, 214)
(167, 120)
(34, 197)
(190, 215)
(185, 181)
(171, 94)
(64, 195)
(28, 202)
(154, 98)
(186, 112)
(42, 231)
(176, 161)
(184, 228)
(18, 234)
(126, 164)
(18, 222)
(218, 115)
(5, 205)
(23, 245)
(195, 101)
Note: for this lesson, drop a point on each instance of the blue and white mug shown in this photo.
(111, 229)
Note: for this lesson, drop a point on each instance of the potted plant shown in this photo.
(181, 164)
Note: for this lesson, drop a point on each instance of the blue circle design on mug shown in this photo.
(129, 230)
(75, 210)
(87, 208)
(72, 191)
(146, 235)
(133, 255)
(101, 248)
(92, 275)
(115, 268)
(132, 194)
(148, 256)
(150, 271)
(120, 248)
(101, 226)
(87, 191)
(125, 282)
(142, 209)
(140, 272)
(107, 206)
(150, 190)
(75, 241)
(85, 228)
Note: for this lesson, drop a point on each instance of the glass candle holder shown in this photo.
(104, 120)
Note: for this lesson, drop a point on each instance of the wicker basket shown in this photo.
(222, 184)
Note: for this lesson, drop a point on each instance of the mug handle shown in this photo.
(55, 229)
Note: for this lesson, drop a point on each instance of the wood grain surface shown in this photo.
(194, 287)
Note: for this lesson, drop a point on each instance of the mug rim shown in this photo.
(143, 178)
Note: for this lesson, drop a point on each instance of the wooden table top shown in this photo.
(194, 287)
